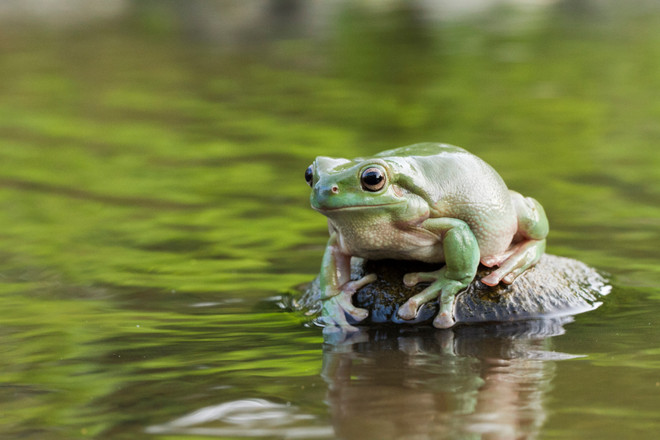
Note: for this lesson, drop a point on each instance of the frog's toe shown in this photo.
(408, 310)
(414, 278)
(492, 279)
(515, 273)
(332, 327)
(356, 314)
(525, 255)
(490, 261)
(444, 320)
(345, 305)
(410, 279)
(501, 275)
(425, 313)
(354, 286)
(339, 311)
(509, 279)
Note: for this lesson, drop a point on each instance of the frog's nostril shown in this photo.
(334, 189)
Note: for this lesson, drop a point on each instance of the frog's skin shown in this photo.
(428, 202)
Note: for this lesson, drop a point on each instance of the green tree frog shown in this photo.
(429, 202)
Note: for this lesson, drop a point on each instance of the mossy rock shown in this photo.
(555, 286)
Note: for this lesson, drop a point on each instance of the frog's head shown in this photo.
(341, 185)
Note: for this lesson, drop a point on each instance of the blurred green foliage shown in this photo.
(152, 195)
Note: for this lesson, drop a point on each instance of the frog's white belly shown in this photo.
(382, 240)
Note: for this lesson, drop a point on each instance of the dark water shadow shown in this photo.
(471, 382)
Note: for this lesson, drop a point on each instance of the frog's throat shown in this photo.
(354, 207)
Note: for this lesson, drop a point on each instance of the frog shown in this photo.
(428, 202)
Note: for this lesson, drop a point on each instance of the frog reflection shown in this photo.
(484, 382)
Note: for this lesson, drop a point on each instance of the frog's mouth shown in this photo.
(352, 207)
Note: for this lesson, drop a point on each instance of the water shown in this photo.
(154, 209)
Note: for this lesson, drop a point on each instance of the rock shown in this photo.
(555, 287)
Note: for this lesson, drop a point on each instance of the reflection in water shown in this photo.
(484, 382)
(245, 418)
(471, 382)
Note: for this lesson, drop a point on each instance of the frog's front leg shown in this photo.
(461, 252)
(529, 242)
(337, 289)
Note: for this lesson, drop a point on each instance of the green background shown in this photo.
(153, 209)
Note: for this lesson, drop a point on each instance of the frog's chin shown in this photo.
(323, 210)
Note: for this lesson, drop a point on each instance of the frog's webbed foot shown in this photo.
(338, 309)
(441, 286)
(522, 256)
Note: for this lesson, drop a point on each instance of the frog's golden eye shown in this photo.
(373, 179)
(309, 175)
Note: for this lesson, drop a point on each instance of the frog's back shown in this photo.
(425, 149)
(457, 184)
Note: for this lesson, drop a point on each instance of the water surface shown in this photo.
(153, 210)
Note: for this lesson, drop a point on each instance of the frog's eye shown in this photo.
(309, 175)
(373, 179)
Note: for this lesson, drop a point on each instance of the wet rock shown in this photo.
(555, 287)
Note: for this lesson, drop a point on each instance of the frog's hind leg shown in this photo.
(496, 260)
(523, 256)
(528, 244)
